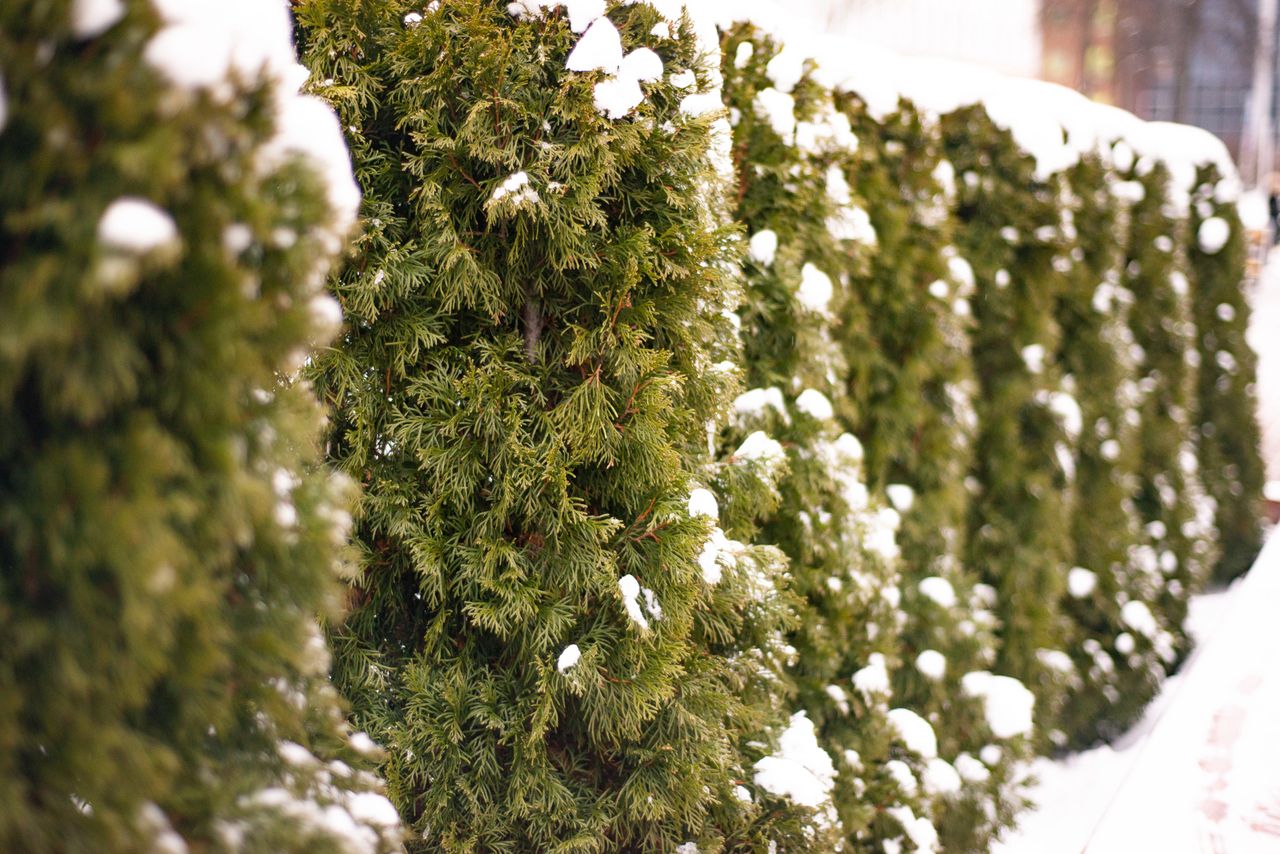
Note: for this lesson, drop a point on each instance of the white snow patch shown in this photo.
(815, 289)
(1033, 356)
(1055, 659)
(786, 69)
(568, 658)
(903, 776)
(940, 777)
(1213, 235)
(92, 18)
(1081, 582)
(582, 12)
(971, 770)
(1137, 616)
(718, 551)
(326, 316)
(136, 225)
(759, 447)
(618, 96)
(881, 536)
(932, 664)
(361, 743)
(873, 679)
(701, 104)
(1009, 705)
(641, 64)
(753, 404)
(916, 733)
(961, 272)
(815, 404)
(307, 127)
(516, 189)
(849, 446)
(1067, 409)
(939, 590)
(651, 603)
(901, 496)
(374, 809)
(763, 246)
(703, 503)
(599, 49)
(1125, 643)
(779, 109)
(685, 79)
(800, 770)
(630, 589)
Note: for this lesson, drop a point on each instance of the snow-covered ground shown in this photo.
(1201, 771)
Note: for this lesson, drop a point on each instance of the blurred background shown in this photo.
(1209, 63)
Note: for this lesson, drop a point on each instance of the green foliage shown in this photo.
(1178, 546)
(166, 539)
(525, 390)
(889, 356)
(563, 627)
(1116, 672)
(1230, 462)
(1009, 230)
(910, 393)
(795, 201)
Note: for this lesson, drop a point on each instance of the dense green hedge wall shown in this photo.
(1177, 545)
(806, 244)
(952, 369)
(748, 460)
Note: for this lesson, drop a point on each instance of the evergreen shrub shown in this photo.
(167, 539)
(559, 646)
(1009, 229)
(1226, 396)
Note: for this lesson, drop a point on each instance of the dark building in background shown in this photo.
(1188, 61)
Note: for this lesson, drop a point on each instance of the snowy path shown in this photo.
(1201, 772)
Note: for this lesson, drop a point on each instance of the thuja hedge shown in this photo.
(1097, 355)
(540, 339)
(1177, 545)
(1226, 400)
(591, 362)
(167, 541)
(916, 408)
(810, 242)
(1009, 230)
